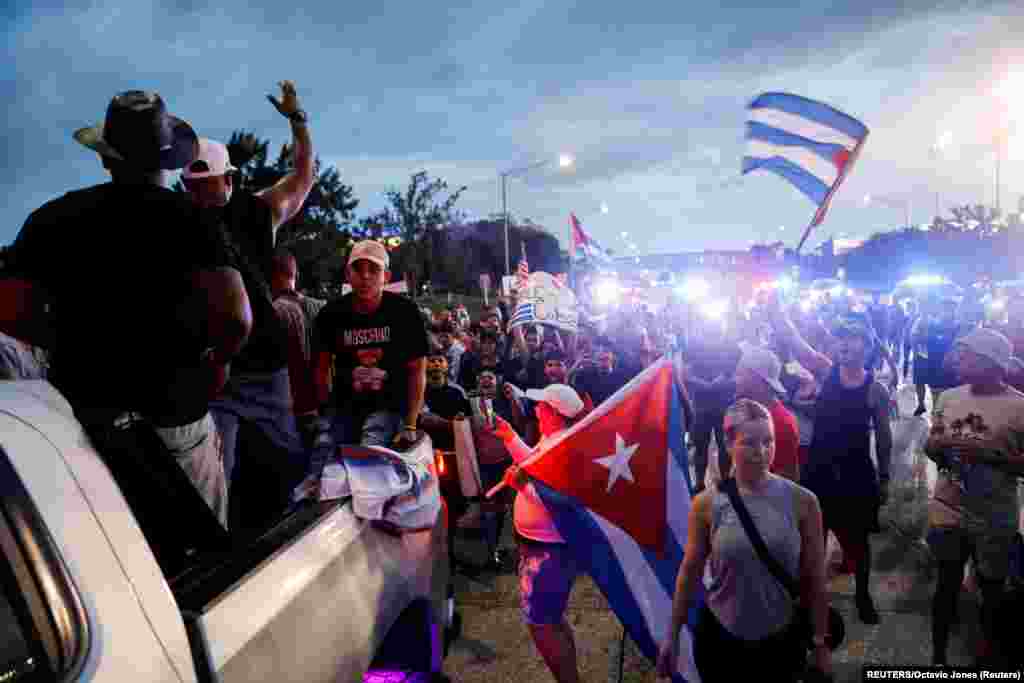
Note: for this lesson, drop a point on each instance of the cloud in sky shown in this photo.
(648, 96)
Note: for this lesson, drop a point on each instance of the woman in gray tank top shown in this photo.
(747, 615)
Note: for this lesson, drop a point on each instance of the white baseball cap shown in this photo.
(764, 364)
(212, 160)
(990, 344)
(561, 397)
(372, 251)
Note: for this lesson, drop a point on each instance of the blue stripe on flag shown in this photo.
(575, 523)
(759, 131)
(814, 111)
(807, 183)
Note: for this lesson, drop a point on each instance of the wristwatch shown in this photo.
(298, 116)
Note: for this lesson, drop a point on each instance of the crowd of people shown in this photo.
(794, 402)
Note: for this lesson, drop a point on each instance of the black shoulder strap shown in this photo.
(728, 487)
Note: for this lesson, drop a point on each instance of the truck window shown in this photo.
(19, 643)
(44, 629)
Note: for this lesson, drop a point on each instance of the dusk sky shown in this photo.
(649, 96)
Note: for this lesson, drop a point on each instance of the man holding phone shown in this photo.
(977, 440)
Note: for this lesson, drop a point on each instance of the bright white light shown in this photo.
(997, 304)
(694, 288)
(604, 208)
(784, 283)
(925, 280)
(625, 234)
(607, 292)
(836, 291)
(806, 306)
(715, 309)
(565, 160)
(944, 141)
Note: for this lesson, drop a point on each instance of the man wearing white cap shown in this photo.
(757, 378)
(977, 440)
(547, 569)
(376, 343)
(259, 391)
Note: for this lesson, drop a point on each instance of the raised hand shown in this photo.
(289, 102)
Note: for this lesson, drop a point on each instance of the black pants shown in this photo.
(721, 656)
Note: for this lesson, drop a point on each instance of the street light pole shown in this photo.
(564, 161)
(504, 213)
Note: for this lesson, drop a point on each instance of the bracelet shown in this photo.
(409, 428)
(298, 116)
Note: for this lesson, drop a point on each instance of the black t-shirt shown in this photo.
(447, 402)
(600, 385)
(250, 228)
(379, 345)
(117, 259)
(526, 373)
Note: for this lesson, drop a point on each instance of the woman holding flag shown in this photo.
(547, 570)
(749, 617)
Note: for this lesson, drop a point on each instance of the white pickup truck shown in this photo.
(319, 596)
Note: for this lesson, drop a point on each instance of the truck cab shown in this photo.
(83, 597)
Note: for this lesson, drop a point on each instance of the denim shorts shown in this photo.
(547, 572)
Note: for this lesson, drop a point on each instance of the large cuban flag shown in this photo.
(618, 487)
(810, 144)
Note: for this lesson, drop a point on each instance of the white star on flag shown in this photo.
(618, 464)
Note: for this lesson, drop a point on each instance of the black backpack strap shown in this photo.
(728, 487)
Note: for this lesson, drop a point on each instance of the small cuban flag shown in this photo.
(810, 144)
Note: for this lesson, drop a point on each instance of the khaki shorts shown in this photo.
(990, 550)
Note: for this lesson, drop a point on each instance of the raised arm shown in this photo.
(286, 197)
(813, 360)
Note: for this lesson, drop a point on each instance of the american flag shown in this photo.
(523, 272)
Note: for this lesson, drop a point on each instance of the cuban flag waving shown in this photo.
(617, 485)
(810, 144)
(583, 246)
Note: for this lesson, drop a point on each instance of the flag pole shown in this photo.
(819, 215)
(572, 272)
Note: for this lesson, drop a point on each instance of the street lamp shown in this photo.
(564, 161)
(892, 203)
(937, 153)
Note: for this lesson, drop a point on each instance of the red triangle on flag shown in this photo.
(615, 464)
